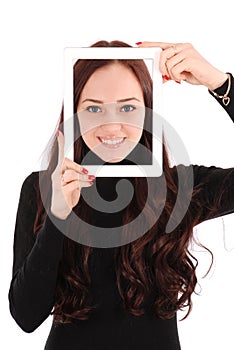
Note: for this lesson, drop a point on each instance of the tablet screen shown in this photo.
(112, 109)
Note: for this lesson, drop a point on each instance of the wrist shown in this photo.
(60, 216)
(222, 92)
(219, 81)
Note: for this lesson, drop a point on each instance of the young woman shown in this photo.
(125, 297)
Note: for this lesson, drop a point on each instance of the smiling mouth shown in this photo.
(112, 142)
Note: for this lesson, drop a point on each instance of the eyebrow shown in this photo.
(99, 101)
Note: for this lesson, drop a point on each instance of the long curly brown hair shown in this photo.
(157, 261)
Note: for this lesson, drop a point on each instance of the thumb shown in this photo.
(60, 139)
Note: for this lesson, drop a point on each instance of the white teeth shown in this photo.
(112, 142)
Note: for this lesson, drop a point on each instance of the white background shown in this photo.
(33, 35)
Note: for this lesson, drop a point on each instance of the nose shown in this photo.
(111, 127)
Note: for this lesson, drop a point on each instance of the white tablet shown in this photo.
(151, 59)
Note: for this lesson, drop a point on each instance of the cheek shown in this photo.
(90, 137)
(134, 133)
(87, 127)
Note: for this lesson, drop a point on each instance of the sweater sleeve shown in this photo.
(221, 91)
(216, 187)
(36, 262)
(217, 184)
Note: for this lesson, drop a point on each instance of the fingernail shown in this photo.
(166, 77)
(91, 177)
(91, 182)
(178, 82)
(57, 133)
(84, 171)
(138, 43)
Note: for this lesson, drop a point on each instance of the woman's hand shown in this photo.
(182, 62)
(67, 180)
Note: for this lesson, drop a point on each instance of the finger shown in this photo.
(180, 70)
(86, 183)
(60, 139)
(177, 46)
(71, 175)
(164, 56)
(176, 51)
(160, 44)
(69, 164)
(165, 79)
(77, 185)
(172, 62)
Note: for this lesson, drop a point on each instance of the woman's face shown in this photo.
(111, 112)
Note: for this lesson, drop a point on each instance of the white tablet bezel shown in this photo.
(71, 55)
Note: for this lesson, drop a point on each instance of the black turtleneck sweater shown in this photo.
(36, 263)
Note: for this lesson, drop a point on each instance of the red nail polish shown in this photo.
(91, 177)
(84, 171)
(178, 82)
(139, 43)
(57, 133)
(166, 77)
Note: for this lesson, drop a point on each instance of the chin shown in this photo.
(115, 160)
(110, 159)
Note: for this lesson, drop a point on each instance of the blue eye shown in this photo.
(128, 108)
(93, 109)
